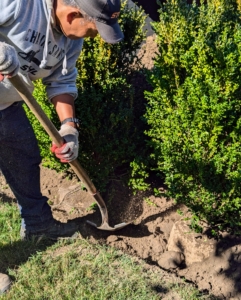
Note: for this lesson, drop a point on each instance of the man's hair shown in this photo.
(70, 3)
(74, 4)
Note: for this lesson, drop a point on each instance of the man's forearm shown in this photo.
(64, 105)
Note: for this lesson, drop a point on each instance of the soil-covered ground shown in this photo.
(157, 233)
(150, 234)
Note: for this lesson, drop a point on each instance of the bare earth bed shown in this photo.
(157, 234)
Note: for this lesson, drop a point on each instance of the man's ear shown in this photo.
(72, 16)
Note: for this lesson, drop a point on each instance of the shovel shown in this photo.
(21, 88)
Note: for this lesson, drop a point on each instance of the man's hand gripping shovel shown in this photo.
(19, 85)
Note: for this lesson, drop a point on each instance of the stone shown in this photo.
(5, 283)
(112, 239)
(195, 246)
(170, 260)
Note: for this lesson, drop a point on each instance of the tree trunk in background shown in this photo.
(151, 7)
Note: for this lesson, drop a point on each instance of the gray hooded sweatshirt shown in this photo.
(25, 24)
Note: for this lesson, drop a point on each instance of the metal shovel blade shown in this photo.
(104, 214)
(107, 227)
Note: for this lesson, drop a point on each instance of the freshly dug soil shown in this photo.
(152, 220)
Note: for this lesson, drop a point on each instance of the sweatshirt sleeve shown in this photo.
(58, 84)
(9, 11)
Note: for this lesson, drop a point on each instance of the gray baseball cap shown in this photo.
(105, 13)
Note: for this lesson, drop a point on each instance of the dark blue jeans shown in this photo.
(19, 163)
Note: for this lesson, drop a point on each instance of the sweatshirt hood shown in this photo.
(51, 21)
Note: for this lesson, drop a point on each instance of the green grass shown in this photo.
(77, 269)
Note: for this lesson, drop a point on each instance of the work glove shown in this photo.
(69, 151)
(9, 62)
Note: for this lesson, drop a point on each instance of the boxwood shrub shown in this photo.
(194, 111)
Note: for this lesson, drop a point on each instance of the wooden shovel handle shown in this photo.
(31, 102)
